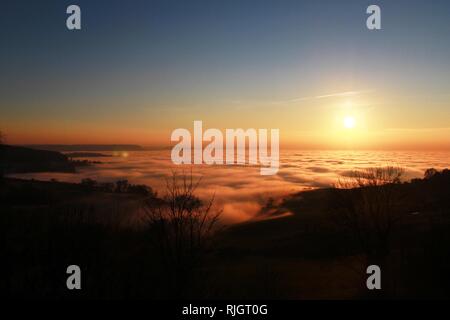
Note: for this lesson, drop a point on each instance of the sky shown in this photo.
(140, 69)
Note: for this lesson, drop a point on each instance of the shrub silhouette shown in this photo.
(88, 184)
(141, 189)
(122, 186)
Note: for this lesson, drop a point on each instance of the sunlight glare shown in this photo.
(349, 122)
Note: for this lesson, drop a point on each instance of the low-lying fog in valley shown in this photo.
(240, 190)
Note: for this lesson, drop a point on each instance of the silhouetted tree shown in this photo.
(365, 204)
(182, 226)
(430, 173)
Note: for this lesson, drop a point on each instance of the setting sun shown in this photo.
(349, 122)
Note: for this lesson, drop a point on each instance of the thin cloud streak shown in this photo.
(325, 96)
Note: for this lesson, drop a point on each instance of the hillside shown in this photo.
(14, 159)
(86, 147)
(310, 254)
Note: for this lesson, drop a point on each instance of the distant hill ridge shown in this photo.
(86, 147)
(14, 159)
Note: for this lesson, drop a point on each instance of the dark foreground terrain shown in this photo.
(131, 243)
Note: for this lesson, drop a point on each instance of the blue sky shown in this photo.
(169, 62)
